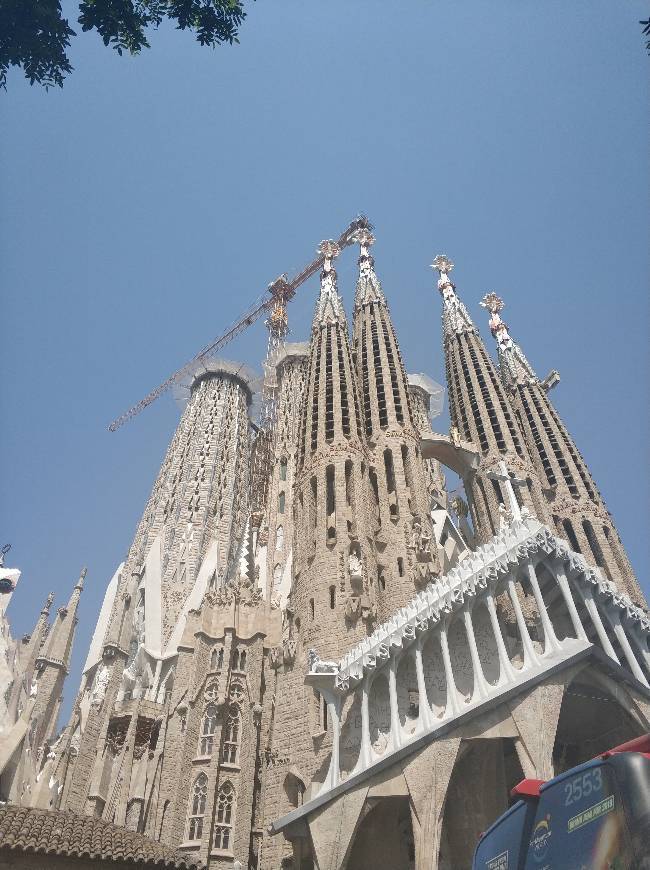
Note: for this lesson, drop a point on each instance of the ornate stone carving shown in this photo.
(100, 684)
(289, 650)
(355, 568)
(353, 607)
(318, 666)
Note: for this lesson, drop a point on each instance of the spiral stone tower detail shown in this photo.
(406, 559)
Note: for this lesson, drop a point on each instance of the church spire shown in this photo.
(455, 317)
(481, 412)
(59, 642)
(515, 368)
(399, 484)
(574, 503)
(35, 640)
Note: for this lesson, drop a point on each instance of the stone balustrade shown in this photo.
(504, 617)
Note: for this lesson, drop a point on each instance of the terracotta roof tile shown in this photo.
(65, 833)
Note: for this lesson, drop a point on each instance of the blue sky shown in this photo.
(147, 203)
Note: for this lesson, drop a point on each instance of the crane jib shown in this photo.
(247, 319)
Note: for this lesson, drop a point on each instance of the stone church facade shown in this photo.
(354, 673)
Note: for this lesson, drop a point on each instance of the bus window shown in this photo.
(504, 845)
(593, 817)
(580, 823)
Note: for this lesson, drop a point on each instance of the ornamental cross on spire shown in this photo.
(368, 285)
(329, 308)
(442, 264)
(494, 304)
(455, 317)
(365, 239)
(515, 368)
(329, 250)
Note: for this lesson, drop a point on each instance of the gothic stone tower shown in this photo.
(406, 560)
(291, 366)
(187, 561)
(38, 666)
(332, 603)
(481, 412)
(577, 508)
(334, 553)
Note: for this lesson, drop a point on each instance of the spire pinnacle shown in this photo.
(368, 285)
(515, 368)
(455, 317)
(59, 640)
(330, 305)
(80, 582)
(45, 610)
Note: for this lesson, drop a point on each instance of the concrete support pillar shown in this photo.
(452, 691)
(333, 714)
(565, 587)
(587, 596)
(366, 754)
(640, 644)
(425, 706)
(480, 683)
(530, 656)
(507, 672)
(619, 631)
(395, 729)
(551, 641)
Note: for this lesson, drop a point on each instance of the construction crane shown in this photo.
(280, 292)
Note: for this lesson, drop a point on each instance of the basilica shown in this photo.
(314, 655)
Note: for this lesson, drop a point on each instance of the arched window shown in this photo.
(281, 501)
(236, 692)
(231, 736)
(239, 660)
(208, 728)
(332, 597)
(212, 691)
(197, 807)
(225, 816)
(279, 538)
(283, 469)
(216, 659)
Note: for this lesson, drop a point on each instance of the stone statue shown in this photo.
(318, 666)
(352, 607)
(355, 568)
(99, 686)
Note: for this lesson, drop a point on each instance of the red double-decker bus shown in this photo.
(595, 816)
